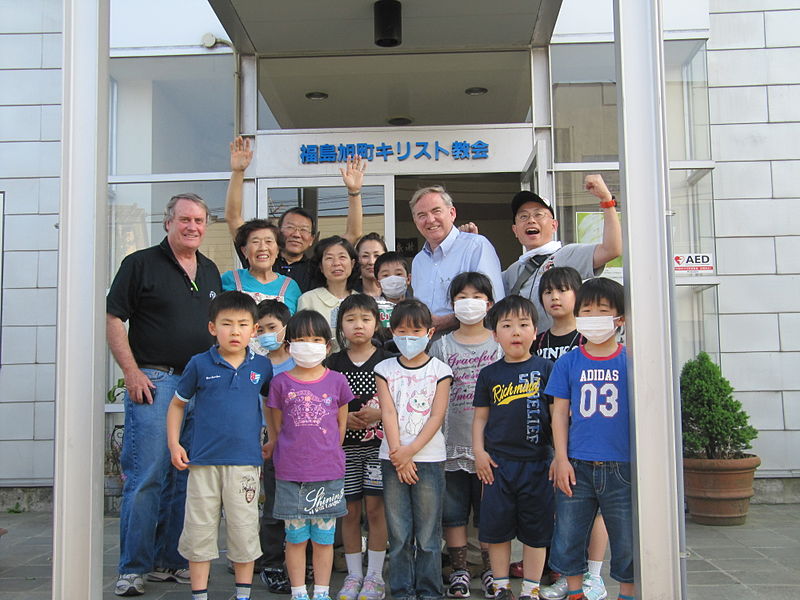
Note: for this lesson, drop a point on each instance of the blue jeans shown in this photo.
(414, 521)
(607, 486)
(154, 495)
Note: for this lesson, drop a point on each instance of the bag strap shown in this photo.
(237, 280)
(531, 266)
(283, 289)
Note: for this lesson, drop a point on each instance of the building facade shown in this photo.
(490, 106)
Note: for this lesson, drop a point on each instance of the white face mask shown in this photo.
(596, 329)
(308, 354)
(394, 286)
(470, 310)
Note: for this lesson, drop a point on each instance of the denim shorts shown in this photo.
(462, 495)
(604, 485)
(519, 504)
(309, 500)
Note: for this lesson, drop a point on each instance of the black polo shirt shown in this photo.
(168, 313)
(300, 271)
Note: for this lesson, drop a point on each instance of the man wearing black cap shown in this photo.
(535, 225)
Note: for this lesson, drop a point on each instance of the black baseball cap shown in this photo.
(524, 196)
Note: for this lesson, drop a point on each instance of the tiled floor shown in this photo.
(758, 560)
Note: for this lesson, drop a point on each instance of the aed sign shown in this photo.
(684, 263)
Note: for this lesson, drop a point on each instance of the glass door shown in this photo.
(326, 199)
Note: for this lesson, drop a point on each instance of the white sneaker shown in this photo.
(176, 575)
(129, 584)
(593, 587)
(556, 591)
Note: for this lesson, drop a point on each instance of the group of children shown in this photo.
(487, 422)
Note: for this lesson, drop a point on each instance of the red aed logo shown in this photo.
(693, 262)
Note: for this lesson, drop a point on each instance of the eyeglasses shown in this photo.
(301, 229)
(539, 215)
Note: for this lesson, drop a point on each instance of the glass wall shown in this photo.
(171, 114)
(396, 89)
(585, 101)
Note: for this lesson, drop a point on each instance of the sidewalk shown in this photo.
(758, 560)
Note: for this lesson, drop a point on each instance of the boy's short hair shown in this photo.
(510, 305)
(232, 300)
(479, 281)
(390, 257)
(601, 288)
(274, 308)
(356, 301)
(559, 278)
(413, 312)
(308, 323)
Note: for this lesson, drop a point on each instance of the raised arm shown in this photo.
(241, 155)
(137, 383)
(611, 246)
(353, 178)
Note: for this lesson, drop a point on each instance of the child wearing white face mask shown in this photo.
(413, 390)
(466, 350)
(591, 384)
(392, 274)
(307, 420)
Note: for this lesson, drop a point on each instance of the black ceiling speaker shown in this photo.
(388, 23)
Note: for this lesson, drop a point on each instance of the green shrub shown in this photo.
(714, 424)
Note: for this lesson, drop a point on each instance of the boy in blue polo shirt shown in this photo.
(511, 444)
(225, 382)
(592, 467)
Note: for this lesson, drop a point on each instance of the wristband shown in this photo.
(609, 203)
(358, 193)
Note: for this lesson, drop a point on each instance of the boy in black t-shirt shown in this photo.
(511, 443)
(557, 290)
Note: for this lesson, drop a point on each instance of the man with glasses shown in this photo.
(296, 224)
(534, 225)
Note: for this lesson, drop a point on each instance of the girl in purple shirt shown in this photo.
(307, 419)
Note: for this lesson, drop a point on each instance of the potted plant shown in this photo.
(718, 474)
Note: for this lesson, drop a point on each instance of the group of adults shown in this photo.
(164, 292)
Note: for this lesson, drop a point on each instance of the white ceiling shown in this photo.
(300, 27)
(448, 46)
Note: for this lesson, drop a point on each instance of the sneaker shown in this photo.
(459, 584)
(322, 597)
(534, 597)
(556, 591)
(350, 588)
(129, 584)
(373, 588)
(487, 584)
(276, 581)
(515, 569)
(593, 587)
(176, 575)
(504, 594)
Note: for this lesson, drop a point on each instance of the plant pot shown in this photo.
(718, 492)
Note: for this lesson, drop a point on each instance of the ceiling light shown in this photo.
(316, 95)
(475, 91)
(388, 23)
(400, 121)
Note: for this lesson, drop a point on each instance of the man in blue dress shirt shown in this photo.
(446, 253)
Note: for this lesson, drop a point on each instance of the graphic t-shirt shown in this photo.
(227, 407)
(552, 347)
(466, 361)
(362, 382)
(519, 417)
(412, 391)
(597, 389)
(308, 447)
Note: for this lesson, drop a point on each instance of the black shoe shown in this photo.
(276, 581)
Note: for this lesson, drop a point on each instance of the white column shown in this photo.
(83, 257)
(658, 506)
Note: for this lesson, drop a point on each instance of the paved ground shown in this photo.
(758, 560)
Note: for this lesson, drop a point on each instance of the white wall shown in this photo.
(753, 53)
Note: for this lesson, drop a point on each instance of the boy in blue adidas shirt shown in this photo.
(591, 468)
(511, 444)
(224, 467)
